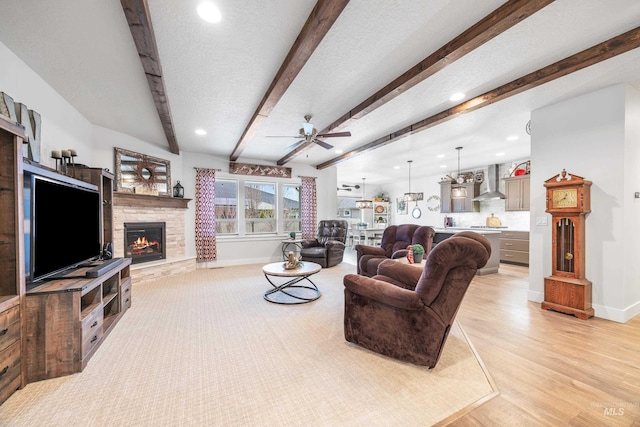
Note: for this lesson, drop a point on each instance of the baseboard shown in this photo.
(601, 311)
(616, 314)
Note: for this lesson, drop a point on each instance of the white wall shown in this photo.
(63, 127)
(587, 137)
(631, 265)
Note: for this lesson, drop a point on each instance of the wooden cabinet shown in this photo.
(103, 179)
(68, 319)
(517, 192)
(514, 247)
(12, 275)
(445, 197)
(449, 205)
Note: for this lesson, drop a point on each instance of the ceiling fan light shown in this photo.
(307, 128)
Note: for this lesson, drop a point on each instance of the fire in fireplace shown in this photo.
(144, 241)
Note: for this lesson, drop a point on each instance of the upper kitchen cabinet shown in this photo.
(466, 204)
(517, 192)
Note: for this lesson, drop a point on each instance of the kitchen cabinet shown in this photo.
(514, 247)
(517, 192)
(449, 205)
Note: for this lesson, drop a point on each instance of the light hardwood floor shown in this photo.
(550, 368)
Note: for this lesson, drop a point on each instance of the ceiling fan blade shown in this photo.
(294, 145)
(323, 144)
(331, 135)
(283, 136)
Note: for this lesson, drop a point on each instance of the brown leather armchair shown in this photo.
(327, 249)
(406, 312)
(395, 240)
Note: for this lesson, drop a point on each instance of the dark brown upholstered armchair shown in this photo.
(406, 312)
(327, 249)
(395, 240)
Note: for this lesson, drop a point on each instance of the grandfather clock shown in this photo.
(568, 201)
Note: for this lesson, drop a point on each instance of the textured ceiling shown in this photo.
(216, 74)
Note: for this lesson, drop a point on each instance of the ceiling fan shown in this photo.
(346, 187)
(310, 134)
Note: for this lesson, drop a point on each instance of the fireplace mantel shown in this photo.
(146, 200)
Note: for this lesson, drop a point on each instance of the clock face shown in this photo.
(564, 198)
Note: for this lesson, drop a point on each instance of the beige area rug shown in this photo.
(205, 349)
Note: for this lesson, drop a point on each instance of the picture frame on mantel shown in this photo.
(142, 174)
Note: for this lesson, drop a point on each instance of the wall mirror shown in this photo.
(139, 173)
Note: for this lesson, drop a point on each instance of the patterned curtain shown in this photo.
(308, 207)
(205, 215)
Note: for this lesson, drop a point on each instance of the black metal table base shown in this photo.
(296, 299)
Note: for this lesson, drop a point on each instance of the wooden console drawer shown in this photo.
(92, 323)
(10, 370)
(126, 295)
(9, 327)
(91, 341)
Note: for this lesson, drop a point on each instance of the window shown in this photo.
(226, 206)
(291, 207)
(260, 207)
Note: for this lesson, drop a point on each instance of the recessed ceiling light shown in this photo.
(338, 151)
(512, 138)
(443, 166)
(456, 96)
(396, 167)
(499, 154)
(209, 12)
(201, 132)
(440, 156)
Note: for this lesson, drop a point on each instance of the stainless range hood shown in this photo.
(492, 185)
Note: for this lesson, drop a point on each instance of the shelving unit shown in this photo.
(12, 276)
(381, 214)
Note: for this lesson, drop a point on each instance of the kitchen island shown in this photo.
(493, 236)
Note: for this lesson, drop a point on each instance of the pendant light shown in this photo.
(458, 192)
(411, 197)
(364, 204)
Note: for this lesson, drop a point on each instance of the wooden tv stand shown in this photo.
(68, 318)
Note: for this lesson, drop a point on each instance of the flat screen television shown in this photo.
(64, 226)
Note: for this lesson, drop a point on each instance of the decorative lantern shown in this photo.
(178, 190)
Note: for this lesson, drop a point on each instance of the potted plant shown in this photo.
(418, 253)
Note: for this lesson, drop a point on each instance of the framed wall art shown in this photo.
(139, 173)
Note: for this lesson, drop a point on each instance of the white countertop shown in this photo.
(453, 230)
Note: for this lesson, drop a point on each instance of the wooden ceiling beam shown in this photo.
(321, 19)
(593, 55)
(492, 25)
(139, 20)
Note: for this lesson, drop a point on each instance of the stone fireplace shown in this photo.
(144, 241)
(139, 208)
